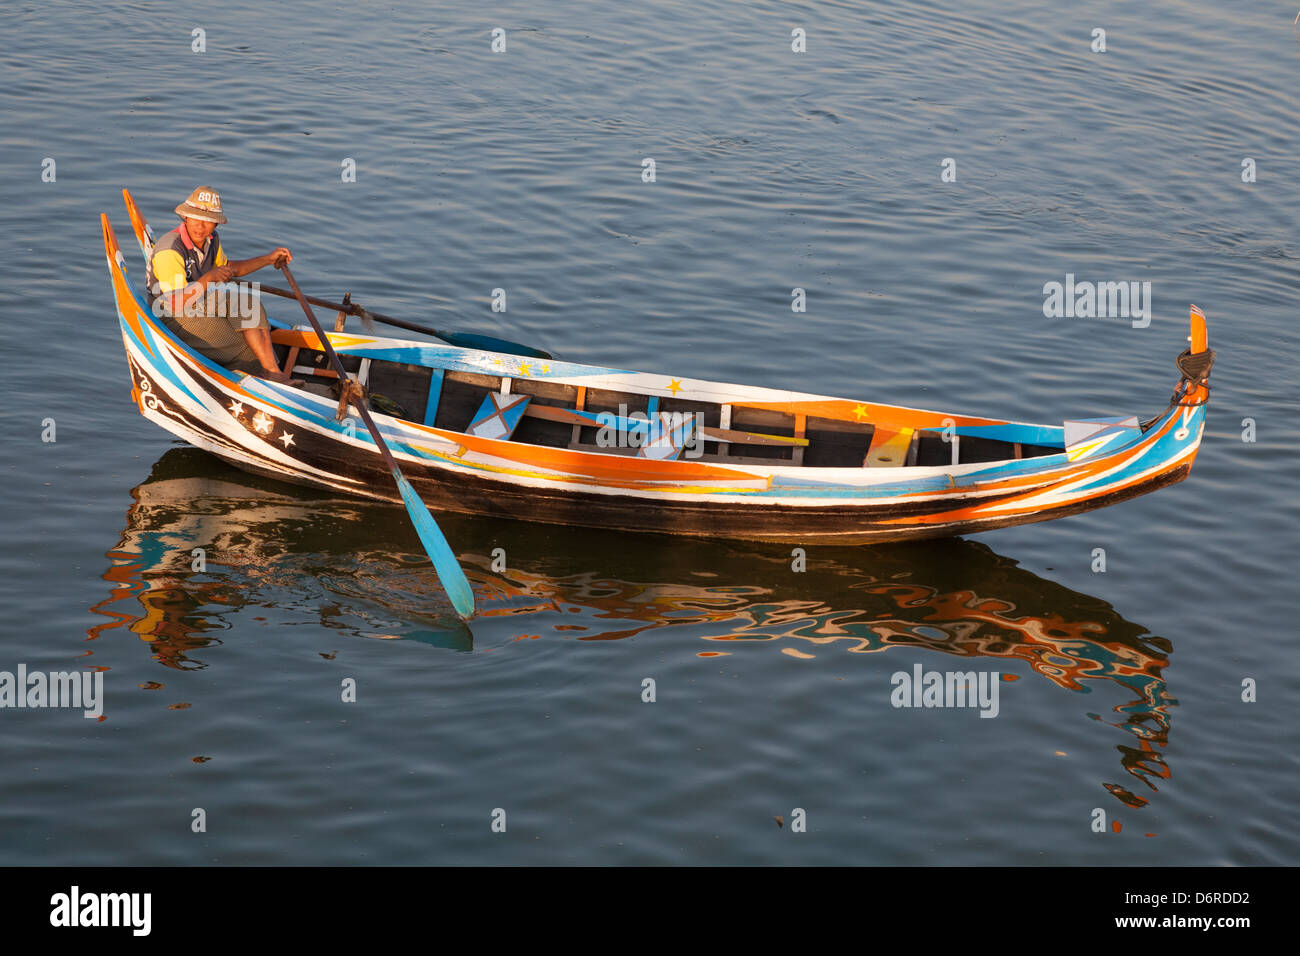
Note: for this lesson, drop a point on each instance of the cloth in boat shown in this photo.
(213, 326)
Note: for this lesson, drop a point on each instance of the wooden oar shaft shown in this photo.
(472, 340)
(349, 308)
(338, 365)
(345, 307)
(445, 564)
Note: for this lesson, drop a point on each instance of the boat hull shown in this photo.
(330, 464)
(294, 436)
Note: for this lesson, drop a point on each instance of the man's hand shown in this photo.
(243, 267)
(219, 274)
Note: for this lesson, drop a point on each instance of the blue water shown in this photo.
(774, 170)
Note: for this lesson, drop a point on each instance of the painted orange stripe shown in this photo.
(1200, 343)
(127, 309)
(1199, 338)
(848, 411)
(306, 339)
(590, 481)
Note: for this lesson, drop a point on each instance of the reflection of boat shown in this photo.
(268, 543)
(557, 442)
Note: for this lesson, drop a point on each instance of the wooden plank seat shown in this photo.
(294, 338)
(664, 440)
(890, 447)
(498, 416)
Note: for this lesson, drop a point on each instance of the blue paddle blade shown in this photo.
(440, 553)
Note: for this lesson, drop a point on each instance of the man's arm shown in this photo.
(195, 290)
(243, 267)
(170, 272)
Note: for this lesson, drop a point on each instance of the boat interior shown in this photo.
(559, 415)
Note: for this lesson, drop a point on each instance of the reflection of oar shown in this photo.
(465, 340)
(444, 561)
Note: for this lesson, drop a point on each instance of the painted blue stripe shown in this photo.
(1052, 436)
(435, 395)
(293, 401)
(1164, 449)
(163, 369)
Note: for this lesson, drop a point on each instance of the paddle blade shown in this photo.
(489, 343)
(440, 553)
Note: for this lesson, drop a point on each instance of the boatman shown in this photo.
(186, 275)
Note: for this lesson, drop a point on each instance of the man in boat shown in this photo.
(187, 277)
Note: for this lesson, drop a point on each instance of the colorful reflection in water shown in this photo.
(269, 546)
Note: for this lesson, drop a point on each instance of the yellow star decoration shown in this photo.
(526, 369)
(546, 370)
(674, 386)
(860, 412)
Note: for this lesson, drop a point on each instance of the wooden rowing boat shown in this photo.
(546, 440)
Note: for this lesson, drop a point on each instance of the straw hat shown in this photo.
(204, 203)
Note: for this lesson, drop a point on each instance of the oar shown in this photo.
(444, 561)
(465, 340)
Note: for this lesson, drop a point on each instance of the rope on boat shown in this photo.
(350, 393)
(1196, 366)
(1195, 369)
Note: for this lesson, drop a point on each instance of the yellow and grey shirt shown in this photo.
(177, 261)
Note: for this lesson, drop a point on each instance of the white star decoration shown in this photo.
(236, 408)
(286, 438)
(263, 423)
